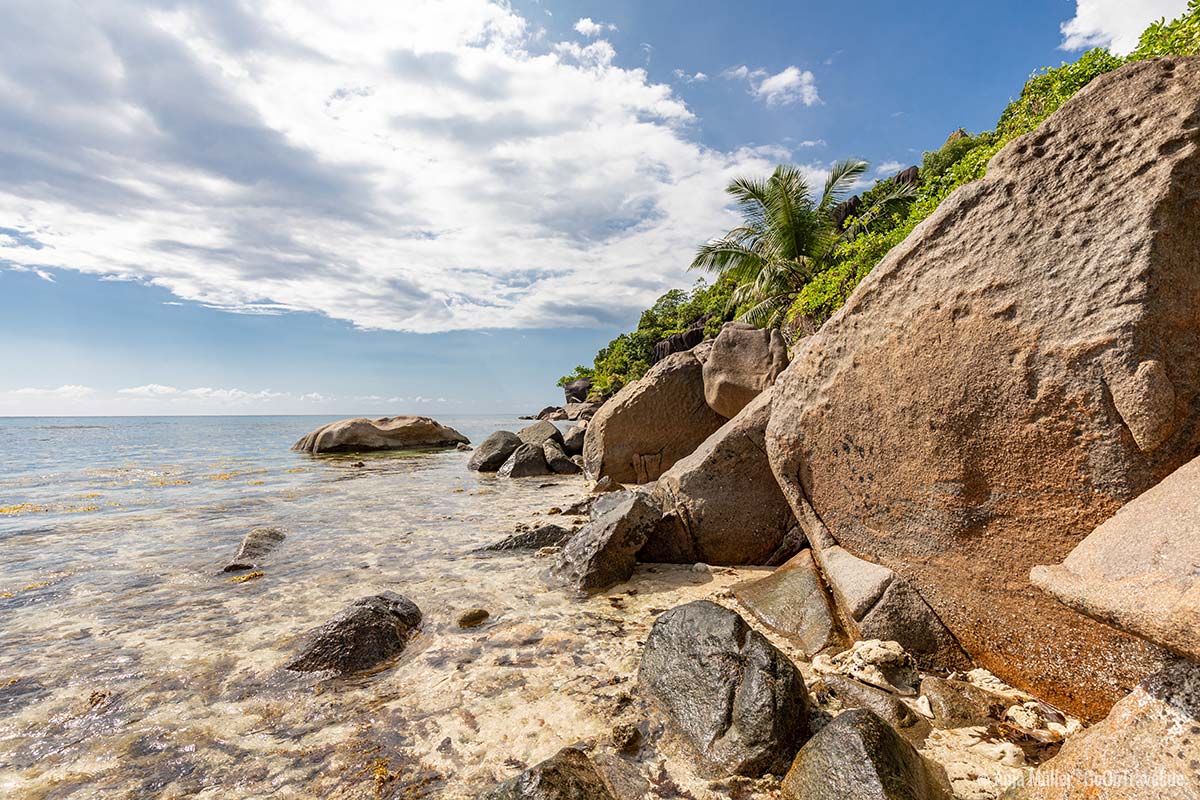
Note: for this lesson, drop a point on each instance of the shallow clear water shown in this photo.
(131, 667)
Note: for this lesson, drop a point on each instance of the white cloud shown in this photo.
(791, 85)
(150, 390)
(67, 392)
(888, 168)
(424, 166)
(1115, 24)
(811, 143)
(587, 27)
(697, 77)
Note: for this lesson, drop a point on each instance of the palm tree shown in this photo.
(787, 237)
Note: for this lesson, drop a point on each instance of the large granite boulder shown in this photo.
(385, 433)
(650, 424)
(1140, 570)
(721, 504)
(577, 391)
(540, 432)
(604, 552)
(494, 451)
(744, 361)
(528, 460)
(737, 699)
(1148, 748)
(255, 547)
(793, 601)
(1021, 366)
(574, 437)
(369, 632)
(860, 756)
(567, 775)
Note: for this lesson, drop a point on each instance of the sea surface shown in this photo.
(132, 667)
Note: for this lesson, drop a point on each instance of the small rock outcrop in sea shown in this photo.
(721, 504)
(1147, 748)
(255, 547)
(536, 539)
(551, 413)
(494, 451)
(738, 700)
(526, 461)
(367, 633)
(744, 361)
(792, 601)
(858, 755)
(557, 458)
(1140, 570)
(650, 424)
(385, 433)
(604, 552)
(567, 775)
(1022, 365)
(890, 708)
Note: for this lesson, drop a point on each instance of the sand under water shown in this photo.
(132, 667)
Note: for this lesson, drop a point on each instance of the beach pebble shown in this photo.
(702, 568)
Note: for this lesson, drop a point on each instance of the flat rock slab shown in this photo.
(1140, 570)
(536, 539)
(793, 601)
(384, 433)
(890, 708)
(737, 700)
(860, 756)
(367, 633)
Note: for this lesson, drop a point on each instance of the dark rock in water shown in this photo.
(541, 432)
(568, 775)
(958, 703)
(368, 632)
(526, 461)
(793, 601)
(385, 433)
(495, 450)
(551, 413)
(472, 618)
(573, 439)
(854, 694)
(604, 552)
(577, 391)
(536, 539)
(558, 460)
(257, 544)
(737, 699)
(677, 343)
(858, 755)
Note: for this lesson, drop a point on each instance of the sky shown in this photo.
(241, 207)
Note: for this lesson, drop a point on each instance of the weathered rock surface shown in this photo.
(744, 361)
(526, 461)
(884, 665)
(557, 458)
(890, 708)
(255, 547)
(540, 432)
(736, 698)
(721, 504)
(536, 539)
(677, 343)
(385, 433)
(1148, 748)
(1140, 570)
(567, 775)
(582, 411)
(792, 601)
(860, 756)
(552, 413)
(604, 552)
(368, 632)
(650, 424)
(573, 439)
(577, 391)
(1025, 363)
(957, 703)
(494, 451)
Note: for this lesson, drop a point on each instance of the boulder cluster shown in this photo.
(540, 449)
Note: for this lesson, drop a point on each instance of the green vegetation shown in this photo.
(786, 266)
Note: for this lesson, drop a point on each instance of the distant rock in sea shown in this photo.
(385, 433)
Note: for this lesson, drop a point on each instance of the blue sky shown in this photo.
(433, 207)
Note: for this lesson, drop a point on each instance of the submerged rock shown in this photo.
(494, 451)
(1022, 365)
(257, 544)
(860, 756)
(744, 361)
(651, 423)
(385, 433)
(604, 552)
(370, 631)
(536, 539)
(526, 461)
(737, 699)
(567, 775)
